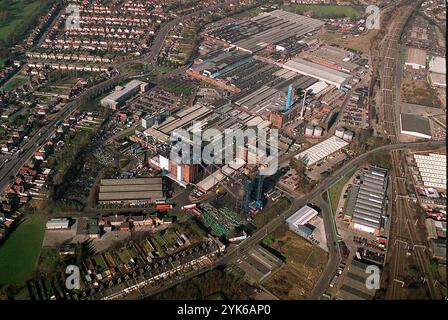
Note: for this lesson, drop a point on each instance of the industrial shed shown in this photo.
(58, 224)
(416, 59)
(321, 150)
(415, 125)
(301, 217)
(132, 191)
(328, 75)
(366, 204)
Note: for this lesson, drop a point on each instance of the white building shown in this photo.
(416, 59)
(58, 224)
(121, 94)
(415, 125)
(437, 65)
(314, 70)
(432, 168)
(302, 216)
(321, 150)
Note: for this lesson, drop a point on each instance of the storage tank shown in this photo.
(339, 132)
(309, 130)
(348, 136)
(318, 131)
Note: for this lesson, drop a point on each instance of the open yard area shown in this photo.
(304, 264)
(325, 11)
(358, 43)
(19, 253)
(419, 92)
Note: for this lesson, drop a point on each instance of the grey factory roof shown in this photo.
(131, 85)
(438, 65)
(130, 189)
(416, 57)
(317, 71)
(275, 27)
(415, 125)
(134, 181)
(366, 202)
(122, 196)
(138, 187)
(354, 284)
(183, 118)
(302, 216)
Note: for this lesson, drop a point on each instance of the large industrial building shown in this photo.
(117, 98)
(265, 30)
(58, 224)
(354, 283)
(366, 206)
(437, 65)
(415, 125)
(181, 120)
(216, 177)
(416, 59)
(437, 68)
(432, 169)
(321, 150)
(134, 191)
(311, 69)
(297, 222)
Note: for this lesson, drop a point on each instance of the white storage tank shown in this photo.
(318, 131)
(339, 132)
(309, 130)
(348, 136)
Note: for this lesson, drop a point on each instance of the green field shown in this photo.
(325, 11)
(335, 191)
(14, 83)
(15, 14)
(20, 251)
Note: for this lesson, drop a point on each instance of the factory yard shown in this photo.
(360, 43)
(304, 262)
(419, 92)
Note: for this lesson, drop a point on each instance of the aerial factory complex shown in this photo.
(327, 140)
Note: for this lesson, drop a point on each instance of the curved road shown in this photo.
(329, 223)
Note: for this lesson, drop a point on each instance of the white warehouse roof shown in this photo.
(321, 150)
(432, 169)
(317, 71)
(58, 223)
(116, 95)
(302, 216)
(437, 65)
(317, 87)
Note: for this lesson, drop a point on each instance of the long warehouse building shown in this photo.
(321, 150)
(311, 69)
(135, 191)
(366, 206)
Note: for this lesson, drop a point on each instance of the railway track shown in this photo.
(405, 236)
